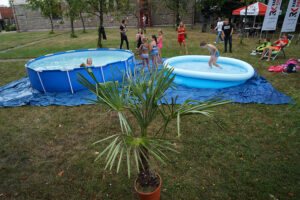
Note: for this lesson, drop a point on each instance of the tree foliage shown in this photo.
(179, 7)
(140, 101)
(48, 8)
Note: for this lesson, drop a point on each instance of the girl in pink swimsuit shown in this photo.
(159, 45)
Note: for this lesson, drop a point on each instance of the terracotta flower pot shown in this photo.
(155, 195)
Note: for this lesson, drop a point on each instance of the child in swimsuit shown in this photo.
(159, 45)
(154, 52)
(144, 48)
(213, 51)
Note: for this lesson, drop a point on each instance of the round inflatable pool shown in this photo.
(194, 71)
(57, 72)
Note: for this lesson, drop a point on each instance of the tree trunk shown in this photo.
(99, 44)
(193, 17)
(51, 21)
(177, 13)
(145, 177)
(82, 21)
(244, 25)
(72, 27)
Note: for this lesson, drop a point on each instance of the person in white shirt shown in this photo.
(144, 23)
(219, 28)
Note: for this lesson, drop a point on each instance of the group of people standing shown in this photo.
(153, 49)
(224, 29)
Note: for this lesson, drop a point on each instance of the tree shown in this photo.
(101, 7)
(179, 7)
(98, 9)
(140, 102)
(48, 8)
(82, 6)
(72, 12)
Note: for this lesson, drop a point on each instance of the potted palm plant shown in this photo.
(142, 98)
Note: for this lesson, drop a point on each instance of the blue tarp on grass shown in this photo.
(255, 90)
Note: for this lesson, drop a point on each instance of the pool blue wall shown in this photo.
(66, 80)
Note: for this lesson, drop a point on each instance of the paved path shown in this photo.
(30, 43)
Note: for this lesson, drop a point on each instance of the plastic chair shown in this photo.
(276, 53)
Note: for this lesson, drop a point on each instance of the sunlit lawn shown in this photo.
(256, 157)
(9, 40)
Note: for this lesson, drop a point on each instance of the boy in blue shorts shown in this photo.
(213, 51)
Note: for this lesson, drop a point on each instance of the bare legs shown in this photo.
(213, 61)
(185, 47)
(180, 47)
(140, 53)
(159, 56)
(154, 63)
(146, 60)
(264, 52)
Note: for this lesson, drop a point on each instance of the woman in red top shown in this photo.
(181, 37)
(277, 46)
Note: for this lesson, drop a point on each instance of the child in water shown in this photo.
(213, 51)
(89, 62)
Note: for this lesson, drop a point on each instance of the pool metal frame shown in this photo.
(65, 79)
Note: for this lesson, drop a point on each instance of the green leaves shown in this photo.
(142, 98)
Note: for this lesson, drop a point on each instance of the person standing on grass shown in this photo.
(219, 29)
(144, 22)
(181, 37)
(227, 31)
(139, 38)
(123, 32)
(159, 45)
(213, 52)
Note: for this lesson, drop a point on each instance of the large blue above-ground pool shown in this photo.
(194, 71)
(57, 72)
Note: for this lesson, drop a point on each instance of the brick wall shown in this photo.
(32, 20)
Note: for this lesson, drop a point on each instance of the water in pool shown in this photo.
(204, 67)
(73, 60)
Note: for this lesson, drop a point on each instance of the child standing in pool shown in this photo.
(213, 51)
(144, 48)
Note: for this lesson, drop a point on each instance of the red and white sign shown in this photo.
(291, 16)
(271, 17)
(252, 10)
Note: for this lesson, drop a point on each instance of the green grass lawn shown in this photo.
(9, 40)
(255, 157)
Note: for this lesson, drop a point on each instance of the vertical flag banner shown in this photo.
(291, 16)
(271, 17)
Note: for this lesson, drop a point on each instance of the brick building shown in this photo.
(157, 15)
(6, 17)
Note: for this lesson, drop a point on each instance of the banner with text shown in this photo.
(271, 17)
(291, 16)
